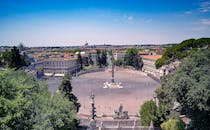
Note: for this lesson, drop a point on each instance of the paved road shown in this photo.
(53, 83)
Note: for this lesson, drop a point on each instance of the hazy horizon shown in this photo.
(84, 45)
(114, 22)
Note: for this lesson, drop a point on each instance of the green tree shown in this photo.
(150, 112)
(13, 58)
(104, 58)
(110, 52)
(147, 112)
(79, 60)
(66, 89)
(26, 104)
(118, 62)
(6, 58)
(173, 124)
(165, 94)
(161, 115)
(161, 61)
(90, 60)
(182, 50)
(132, 58)
(189, 85)
(16, 60)
(1, 59)
(16, 92)
(98, 58)
(101, 58)
(54, 112)
(21, 47)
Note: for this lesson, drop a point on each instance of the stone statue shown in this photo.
(120, 114)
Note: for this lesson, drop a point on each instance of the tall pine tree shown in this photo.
(16, 60)
(79, 60)
(66, 89)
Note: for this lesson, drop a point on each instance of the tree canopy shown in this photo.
(181, 50)
(90, 60)
(79, 60)
(118, 62)
(104, 57)
(190, 86)
(21, 47)
(66, 89)
(150, 112)
(65, 50)
(132, 58)
(147, 113)
(101, 58)
(13, 58)
(173, 124)
(25, 103)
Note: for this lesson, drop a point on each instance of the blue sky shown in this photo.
(73, 22)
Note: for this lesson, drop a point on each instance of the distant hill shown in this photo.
(182, 50)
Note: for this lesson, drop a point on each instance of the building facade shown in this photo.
(168, 68)
(119, 55)
(149, 64)
(60, 66)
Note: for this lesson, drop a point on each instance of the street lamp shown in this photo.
(156, 105)
(155, 98)
(93, 111)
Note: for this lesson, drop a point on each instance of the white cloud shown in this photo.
(204, 6)
(130, 18)
(148, 20)
(188, 12)
(115, 20)
(201, 28)
(202, 25)
(127, 17)
(205, 21)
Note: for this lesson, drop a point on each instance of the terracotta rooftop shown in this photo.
(152, 57)
(143, 52)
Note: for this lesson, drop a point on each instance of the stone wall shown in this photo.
(91, 71)
(116, 125)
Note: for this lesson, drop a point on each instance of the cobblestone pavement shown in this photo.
(137, 88)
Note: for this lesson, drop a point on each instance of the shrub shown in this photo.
(173, 124)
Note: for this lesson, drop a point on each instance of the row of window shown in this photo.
(59, 64)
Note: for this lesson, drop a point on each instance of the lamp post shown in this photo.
(93, 111)
(155, 109)
(155, 98)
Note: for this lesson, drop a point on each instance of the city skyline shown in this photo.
(72, 23)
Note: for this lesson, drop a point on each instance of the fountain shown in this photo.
(120, 114)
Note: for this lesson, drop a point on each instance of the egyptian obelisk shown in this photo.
(112, 68)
